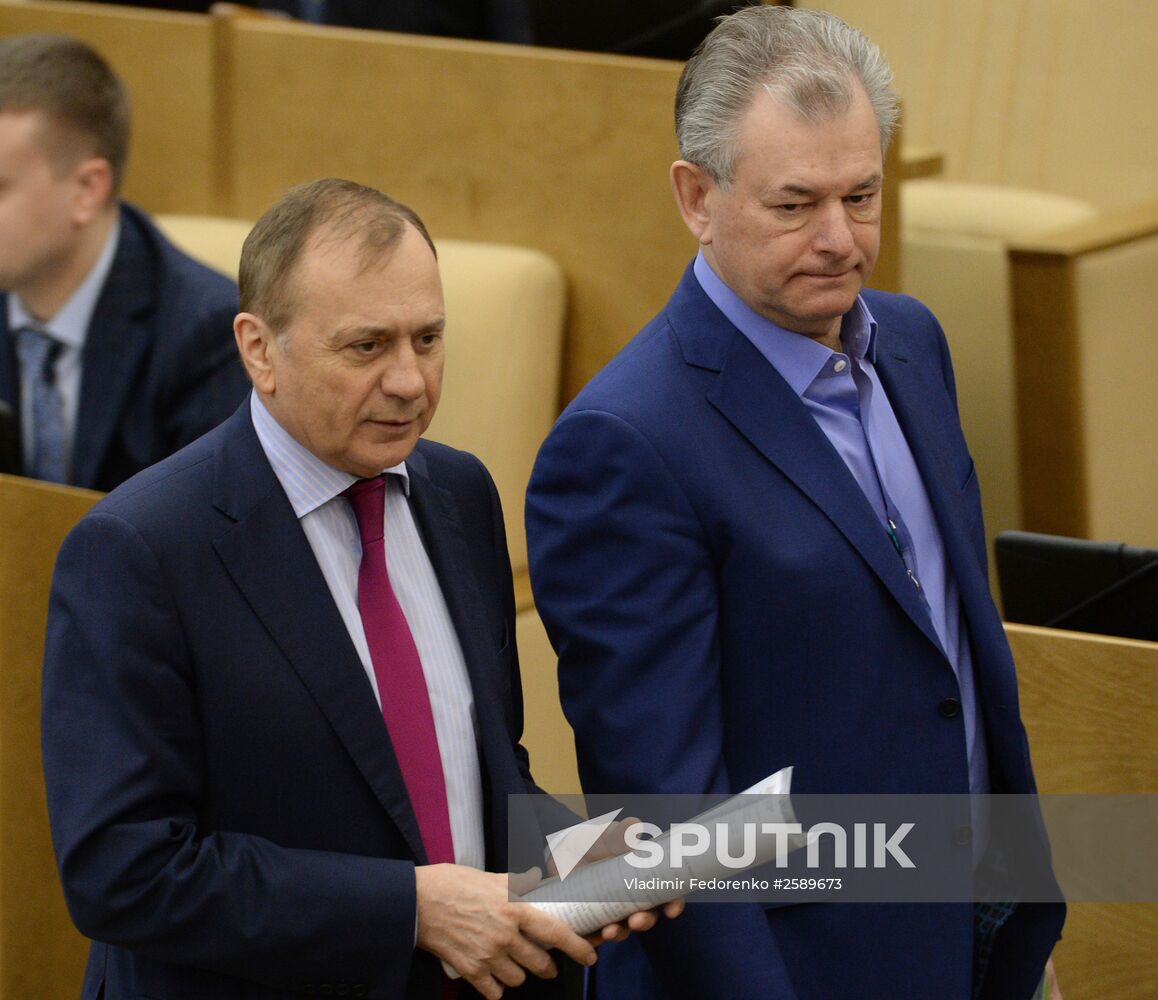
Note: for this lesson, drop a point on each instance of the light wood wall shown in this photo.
(1040, 98)
(1051, 95)
(167, 62)
(41, 953)
(565, 152)
(1089, 704)
(1085, 300)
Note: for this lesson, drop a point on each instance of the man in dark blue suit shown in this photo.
(115, 347)
(253, 791)
(756, 539)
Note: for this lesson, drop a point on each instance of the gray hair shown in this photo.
(808, 59)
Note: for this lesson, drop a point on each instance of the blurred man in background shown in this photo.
(115, 347)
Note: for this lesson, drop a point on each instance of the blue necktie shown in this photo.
(38, 352)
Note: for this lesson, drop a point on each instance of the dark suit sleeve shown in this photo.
(126, 773)
(626, 586)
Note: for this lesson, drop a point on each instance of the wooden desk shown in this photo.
(921, 161)
(1089, 703)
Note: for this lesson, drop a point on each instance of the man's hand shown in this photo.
(612, 843)
(466, 918)
(641, 920)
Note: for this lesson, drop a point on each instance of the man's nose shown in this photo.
(833, 233)
(402, 377)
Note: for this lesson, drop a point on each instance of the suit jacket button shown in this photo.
(963, 836)
(950, 708)
(358, 990)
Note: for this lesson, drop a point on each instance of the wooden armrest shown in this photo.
(921, 161)
(1108, 229)
(1081, 296)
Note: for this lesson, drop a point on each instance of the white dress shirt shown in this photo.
(326, 517)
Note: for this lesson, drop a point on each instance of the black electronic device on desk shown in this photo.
(1071, 583)
(9, 441)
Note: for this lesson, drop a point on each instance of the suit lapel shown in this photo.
(269, 558)
(116, 343)
(912, 393)
(762, 407)
(930, 430)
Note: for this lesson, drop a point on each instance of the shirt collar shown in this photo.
(71, 322)
(307, 480)
(797, 358)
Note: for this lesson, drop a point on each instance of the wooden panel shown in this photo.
(1117, 293)
(166, 61)
(1089, 705)
(1085, 392)
(1106, 230)
(1108, 951)
(564, 152)
(41, 953)
(887, 273)
(1047, 365)
(1049, 94)
(546, 732)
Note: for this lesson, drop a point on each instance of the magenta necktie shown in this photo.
(398, 671)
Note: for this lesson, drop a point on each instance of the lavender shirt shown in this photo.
(844, 394)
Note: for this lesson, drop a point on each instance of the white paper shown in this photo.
(606, 882)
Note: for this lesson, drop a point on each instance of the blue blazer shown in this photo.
(227, 811)
(159, 368)
(725, 602)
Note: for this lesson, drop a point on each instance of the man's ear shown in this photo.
(691, 186)
(93, 191)
(255, 343)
